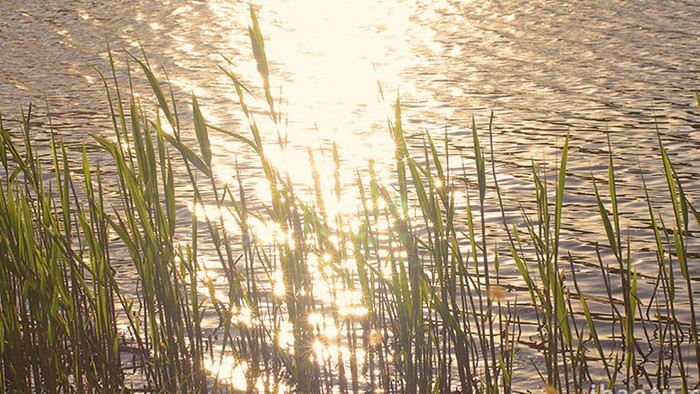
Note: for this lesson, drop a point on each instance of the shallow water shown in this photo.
(591, 68)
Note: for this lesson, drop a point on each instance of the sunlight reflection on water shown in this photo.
(588, 67)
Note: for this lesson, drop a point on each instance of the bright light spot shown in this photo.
(260, 385)
(221, 296)
(315, 319)
(291, 243)
(320, 350)
(228, 371)
(357, 311)
(238, 378)
(458, 195)
(285, 335)
(334, 240)
(279, 289)
(214, 213)
(328, 271)
(355, 225)
(244, 317)
(387, 271)
(330, 330)
(360, 356)
(350, 265)
(322, 290)
(312, 261)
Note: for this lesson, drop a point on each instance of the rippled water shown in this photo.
(591, 68)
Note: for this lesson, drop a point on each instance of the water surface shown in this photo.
(589, 68)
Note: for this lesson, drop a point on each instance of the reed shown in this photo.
(407, 294)
(58, 319)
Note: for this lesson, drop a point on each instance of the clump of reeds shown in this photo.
(58, 326)
(404, 295)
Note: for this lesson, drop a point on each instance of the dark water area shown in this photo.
(593, 69)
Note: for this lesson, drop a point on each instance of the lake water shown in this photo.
(591, 68)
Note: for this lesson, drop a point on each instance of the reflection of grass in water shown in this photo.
(387, 297)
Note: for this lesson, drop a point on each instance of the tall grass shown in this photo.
(57, 310)
(406, 294)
